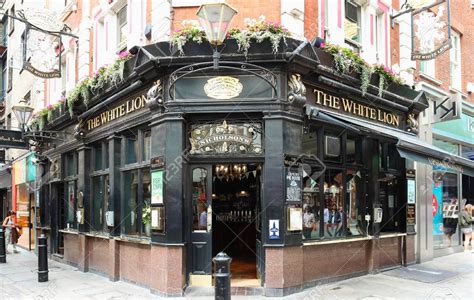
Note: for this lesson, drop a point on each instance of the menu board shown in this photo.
(157, 187)
(293, 184)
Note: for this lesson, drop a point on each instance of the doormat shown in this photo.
(421, 274)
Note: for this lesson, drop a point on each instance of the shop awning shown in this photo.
(410, 146)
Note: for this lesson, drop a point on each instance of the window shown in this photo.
(352, 30)
(334, 203)
(455, 61)
(136, 193)
(427, 67)
(12, 21)
(379, 38)
(122, 27)
(3, 89)
(70, 181)
(100, 186)
(10, 75)
(199, 199)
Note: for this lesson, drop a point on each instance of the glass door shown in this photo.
(200, 195)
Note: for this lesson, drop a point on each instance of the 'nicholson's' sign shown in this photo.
(117, 112)
(356, 109)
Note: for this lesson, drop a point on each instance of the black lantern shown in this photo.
(23, 113)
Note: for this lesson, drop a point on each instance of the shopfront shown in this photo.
(5, 191)
(280, 164)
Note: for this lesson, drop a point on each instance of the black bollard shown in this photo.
(222, 276)
(42, 258)
(3, 248)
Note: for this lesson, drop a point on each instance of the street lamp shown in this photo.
(23, 113)
(215, 20)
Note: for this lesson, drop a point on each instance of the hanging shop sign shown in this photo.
(127, 107)
(351, 107)
(431, 30)
(226, 138)
(42, 45)
(12, 139)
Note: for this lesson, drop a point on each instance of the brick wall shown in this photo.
(246, 9)
(462, 21)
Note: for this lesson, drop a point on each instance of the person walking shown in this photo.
(11, 231)
(465, 220)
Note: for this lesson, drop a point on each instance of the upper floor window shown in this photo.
(352, 32)
(122, 27)
(455, 61)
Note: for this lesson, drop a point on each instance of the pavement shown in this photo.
(448, 277)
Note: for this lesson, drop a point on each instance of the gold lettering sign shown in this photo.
(356, 109)
(119, 111)
(223, 87)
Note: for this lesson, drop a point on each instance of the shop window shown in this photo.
(333, 212)
(353, 150)
(136, 192)
(332, 147)
(355, 199)
(311, 209)
(130, 197)
(100, 186)
(131, 151)
(310, 141)
(146, 145)
(98, 157)
(70, 203)
(445, 209)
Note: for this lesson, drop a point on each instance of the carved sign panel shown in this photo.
(226, 138)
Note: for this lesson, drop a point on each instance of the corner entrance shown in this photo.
(226, 211)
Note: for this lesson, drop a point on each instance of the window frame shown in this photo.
(341, 165)
(356, 46)
(141, 166)
(70, 177)
(103, 173)
(122, 44)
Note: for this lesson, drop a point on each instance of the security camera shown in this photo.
(35, 161)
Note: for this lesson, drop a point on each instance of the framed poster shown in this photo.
(158, 218)
(295, 219)
(293, 183)
(157, 187)
(411, 191)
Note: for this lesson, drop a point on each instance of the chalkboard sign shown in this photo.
(293, 184)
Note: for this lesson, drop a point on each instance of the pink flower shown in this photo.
(322, 45)
(49, 106)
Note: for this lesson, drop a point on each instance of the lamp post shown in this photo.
(215, 20)
(23, 114)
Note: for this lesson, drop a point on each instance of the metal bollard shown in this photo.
(3, 248)
(222, 275)
(42, 258)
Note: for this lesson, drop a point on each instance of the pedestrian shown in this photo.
(309, 222)
(465, 220)
(11, 230)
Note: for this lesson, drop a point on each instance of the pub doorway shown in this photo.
(235, 224)
(226, 205)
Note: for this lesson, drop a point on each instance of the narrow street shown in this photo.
(449, 277)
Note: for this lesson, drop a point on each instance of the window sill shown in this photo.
(101, 235)
(336, 241)
(390, 235)
(134, 239)
(431, 79)
(457, 90)
(71, 231)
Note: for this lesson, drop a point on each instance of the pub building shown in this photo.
(276, 159)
